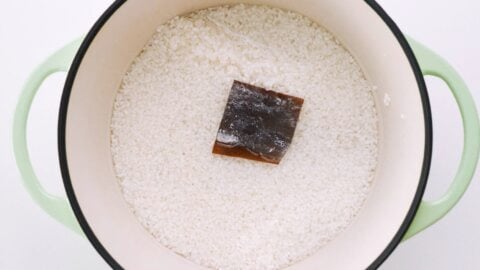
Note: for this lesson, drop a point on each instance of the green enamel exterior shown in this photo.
(430, 212)
(56, 207)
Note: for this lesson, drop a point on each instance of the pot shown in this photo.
(394, 210)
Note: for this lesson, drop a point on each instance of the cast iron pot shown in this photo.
(394, 209)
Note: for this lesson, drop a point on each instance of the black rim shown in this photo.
(63, 116)
(62, 119)
(428, 135)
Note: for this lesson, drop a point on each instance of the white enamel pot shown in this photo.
(394, 209)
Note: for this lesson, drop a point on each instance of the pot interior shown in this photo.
(361, 30)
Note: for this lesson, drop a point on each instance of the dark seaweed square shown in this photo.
(257, 124)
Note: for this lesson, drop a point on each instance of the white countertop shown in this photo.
(32, 29)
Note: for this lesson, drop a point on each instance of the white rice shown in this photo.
(231, 213)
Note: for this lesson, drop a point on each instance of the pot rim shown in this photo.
(64, 110)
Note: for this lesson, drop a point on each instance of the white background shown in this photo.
(30, 30)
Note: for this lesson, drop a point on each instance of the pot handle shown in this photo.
(55, 206)
(430, 212)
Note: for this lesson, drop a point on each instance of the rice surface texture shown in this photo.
(231, 213)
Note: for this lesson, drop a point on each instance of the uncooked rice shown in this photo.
(231, 213)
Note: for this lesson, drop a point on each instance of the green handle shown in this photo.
(430, 212)
(56, 207)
